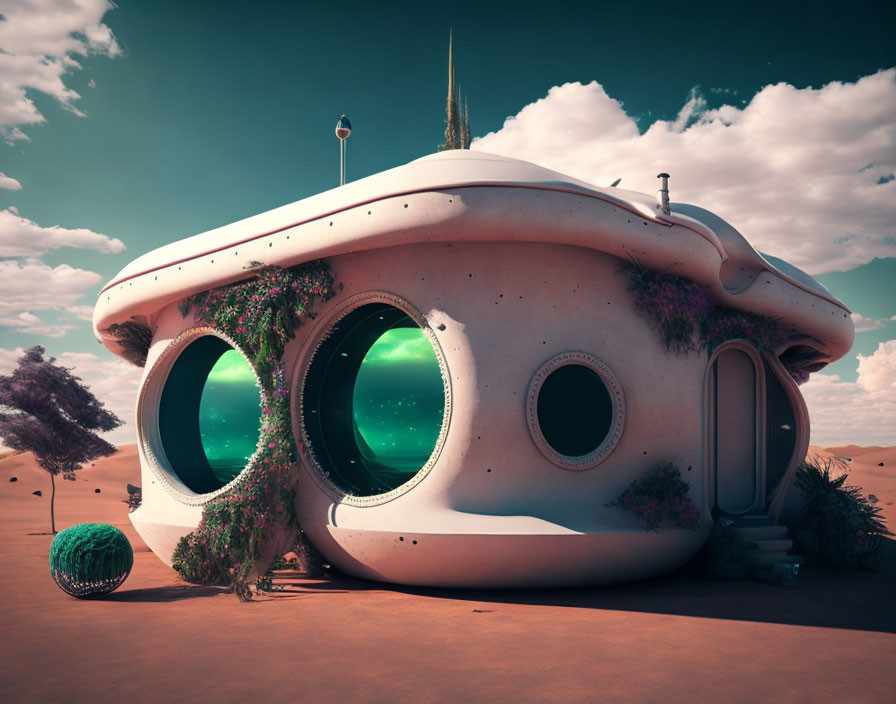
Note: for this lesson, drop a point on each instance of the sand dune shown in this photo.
(871, 468)
(678, 638)
(76, 501)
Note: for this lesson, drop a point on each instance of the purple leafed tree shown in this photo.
(46, 410)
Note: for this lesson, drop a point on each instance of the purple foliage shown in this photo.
(50, 413)
(800, 376)
(687, 320)
(47, 411)
(723, 324)
(675, 304)
(658, 497)
(800, 361)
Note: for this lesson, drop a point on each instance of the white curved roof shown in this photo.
(465, 195)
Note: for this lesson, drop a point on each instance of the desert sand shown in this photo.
(678, 638)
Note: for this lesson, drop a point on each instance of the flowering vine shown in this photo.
(676, 305)
(261, 315)
(660, 496)
(687, 320)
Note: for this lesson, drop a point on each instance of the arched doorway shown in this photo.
(736, 421)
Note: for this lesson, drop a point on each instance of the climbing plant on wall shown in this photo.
(134, 337)
(687, 320)
(676, 305)
(261, 315)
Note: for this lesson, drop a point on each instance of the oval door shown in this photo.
(734, 396)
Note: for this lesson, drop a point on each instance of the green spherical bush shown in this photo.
(90, 559)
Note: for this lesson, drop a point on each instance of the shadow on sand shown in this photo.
(164, 594)
(821, 598)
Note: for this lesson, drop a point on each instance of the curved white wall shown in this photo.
(492, 498)
(494, 510)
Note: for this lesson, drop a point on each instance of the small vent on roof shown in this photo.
(662, 195)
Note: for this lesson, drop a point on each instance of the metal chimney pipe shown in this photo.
(662, 195)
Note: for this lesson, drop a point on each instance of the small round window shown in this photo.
(373, 401)
(575, 410)
(209, 414)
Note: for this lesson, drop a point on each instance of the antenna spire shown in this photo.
(450, 62)
(454, 120)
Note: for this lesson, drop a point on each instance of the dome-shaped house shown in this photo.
(507, 350)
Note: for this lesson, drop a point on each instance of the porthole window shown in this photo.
(209, 414)
(373, 405)
(575, 410)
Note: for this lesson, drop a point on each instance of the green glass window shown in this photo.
(575, 411)
(228, 415)
(374, 400)
(209, 414)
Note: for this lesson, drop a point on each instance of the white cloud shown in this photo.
(31, 286)
(864, 324)
(20, 237)
(9, 183)
(691, 111)
(9, 359)
(39, 39)
(81, 312)
(802, 173)
(29, 323)
(861, 413)
(114, 382)
(877, 372)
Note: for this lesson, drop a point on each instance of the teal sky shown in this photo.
(215, 111)
(871, 289)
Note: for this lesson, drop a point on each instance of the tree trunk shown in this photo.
(52, 500)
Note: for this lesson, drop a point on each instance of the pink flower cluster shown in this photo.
(687, 319)
(261, 315)
(658, 497)
(676, 305)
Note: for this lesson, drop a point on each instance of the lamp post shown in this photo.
(343, 130)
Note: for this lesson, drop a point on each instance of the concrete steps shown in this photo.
(752, 520)
(770, 559)
(770, 544)
(754, 534)
(782, 545)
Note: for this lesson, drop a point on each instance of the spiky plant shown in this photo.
(844, 531)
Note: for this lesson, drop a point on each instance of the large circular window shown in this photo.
(373, 401)
(209, 414)
(575, 410)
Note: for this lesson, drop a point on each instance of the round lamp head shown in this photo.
(343, 128)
